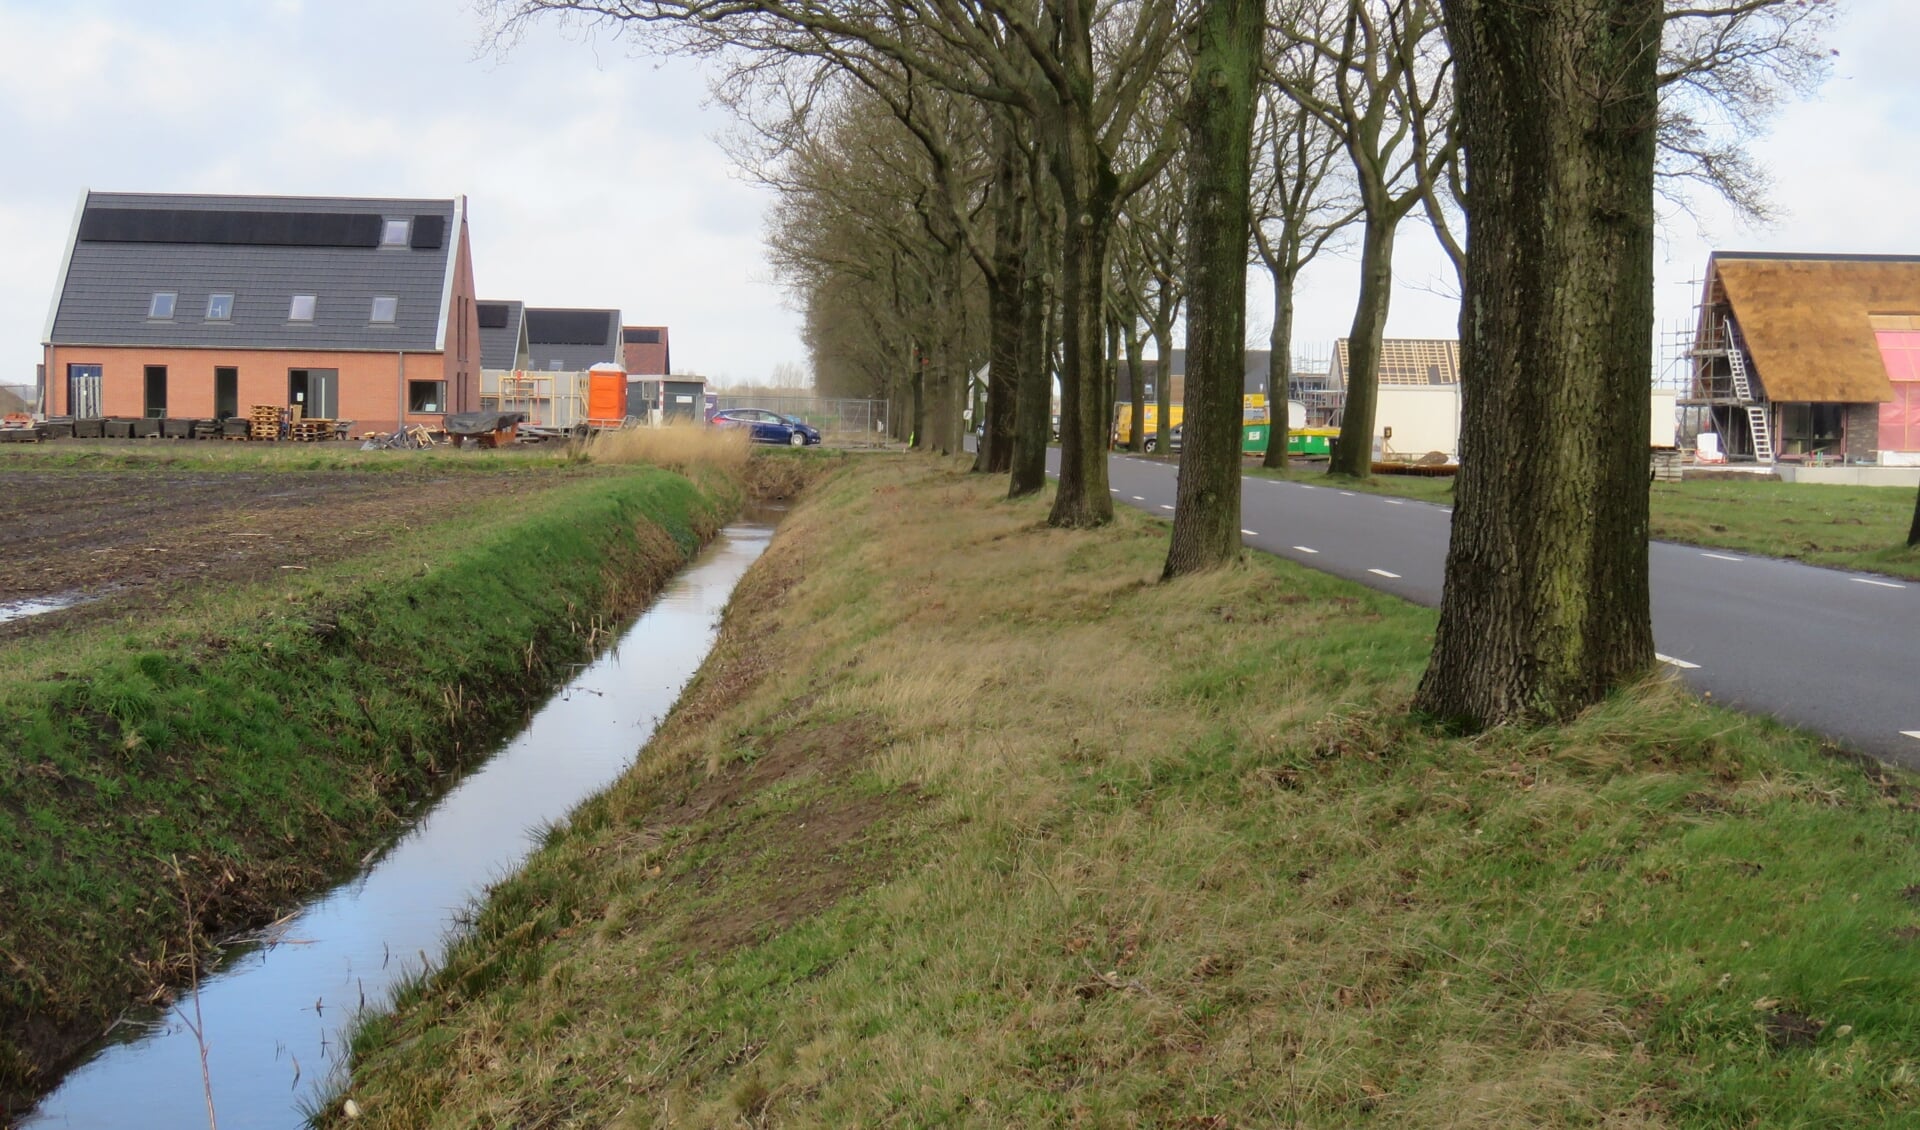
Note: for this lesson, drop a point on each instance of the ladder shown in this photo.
(1743, 388)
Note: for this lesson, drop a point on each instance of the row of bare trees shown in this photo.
(1041, 186)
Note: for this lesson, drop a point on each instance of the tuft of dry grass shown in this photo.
(676, 447)
(968, 821)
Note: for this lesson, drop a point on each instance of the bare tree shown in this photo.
(1299, 206)
(1726, 66)
(1390, 90)
(1076, 69)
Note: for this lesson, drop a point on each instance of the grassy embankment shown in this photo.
(967, 821)
(266, 738)
(1863, 528)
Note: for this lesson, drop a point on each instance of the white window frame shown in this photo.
(393, 310)
(312, 302)
(226, 317)
(172, 299)
(392, 225)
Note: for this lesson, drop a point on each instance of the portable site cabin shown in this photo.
(1807, 359)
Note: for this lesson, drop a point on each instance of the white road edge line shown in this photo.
(1914, 734)
(1384, 573)
(1346, 494)
(1306, 549)
(1882, 584)
(1251, 533)
(1164, 506)
(1680, 663)
(1137, 498)
(1113, 490)
(1396, 502)
(1720, 557)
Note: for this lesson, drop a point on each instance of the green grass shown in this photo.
(968, 821)
(265, 738)
(1859, 528)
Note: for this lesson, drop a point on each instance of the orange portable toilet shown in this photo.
(606, 396)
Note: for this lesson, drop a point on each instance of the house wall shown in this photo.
(1862, 431)
(460, 364)
(372, 389)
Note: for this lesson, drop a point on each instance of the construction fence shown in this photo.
(840, 418)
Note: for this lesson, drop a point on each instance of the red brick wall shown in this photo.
(372, 392)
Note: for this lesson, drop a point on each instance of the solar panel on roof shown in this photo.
(242, 229)
(568, 327)
(429, 233)
(493, 315)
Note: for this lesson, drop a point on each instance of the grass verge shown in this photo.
(1859, 528)
(968, 821)
(265, 738)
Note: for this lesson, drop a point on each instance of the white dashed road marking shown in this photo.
(1164, 506)
(1384, 573)
(1396, 502)
(1251, 533)
(1882, 584)
(1720, 557)
(1680, 663)
(1346, 494)
(1914, 734)
(1305, 549)
(1137, 498)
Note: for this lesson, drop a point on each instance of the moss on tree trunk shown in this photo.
(1546, 604)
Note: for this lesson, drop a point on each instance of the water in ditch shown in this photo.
(274, 1015)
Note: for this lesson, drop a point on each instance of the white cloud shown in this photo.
(593, 180)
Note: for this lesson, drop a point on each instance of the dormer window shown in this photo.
(162, 304)
(302, 308)
(219, 307)
(385, 306)
(395, 233)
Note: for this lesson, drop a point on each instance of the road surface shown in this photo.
(1834, 652)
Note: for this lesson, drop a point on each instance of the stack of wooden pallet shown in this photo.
(264, 421)
(311, 430)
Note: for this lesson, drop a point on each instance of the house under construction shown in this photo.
(1807, 359)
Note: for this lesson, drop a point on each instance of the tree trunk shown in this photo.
(918, 436)
(1136, 391)
(1087, 190)
(1219, 112)
(1033, 416)
(1163, 386)
(1279, 371)
(1363, 347)
(1546, 602)
(1003, 368)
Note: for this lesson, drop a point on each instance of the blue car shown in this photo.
(768, 427)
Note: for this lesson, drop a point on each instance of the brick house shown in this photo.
(203, 306)
(644, 351)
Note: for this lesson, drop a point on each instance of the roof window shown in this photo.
(302, 308)
(385, 306)
(219, 307)
(395, 233)
(162, 304)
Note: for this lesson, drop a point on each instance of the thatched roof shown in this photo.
(1808, 320)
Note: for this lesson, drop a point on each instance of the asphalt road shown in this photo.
(1833, 652)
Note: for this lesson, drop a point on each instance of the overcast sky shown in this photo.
(593, 178)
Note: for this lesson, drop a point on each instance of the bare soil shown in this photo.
(125, 542)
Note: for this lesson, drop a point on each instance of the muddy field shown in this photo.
(121, 542)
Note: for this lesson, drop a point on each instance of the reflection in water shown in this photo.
(274, 1015)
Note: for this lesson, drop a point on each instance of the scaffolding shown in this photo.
(546, 399)
(1709, 367)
